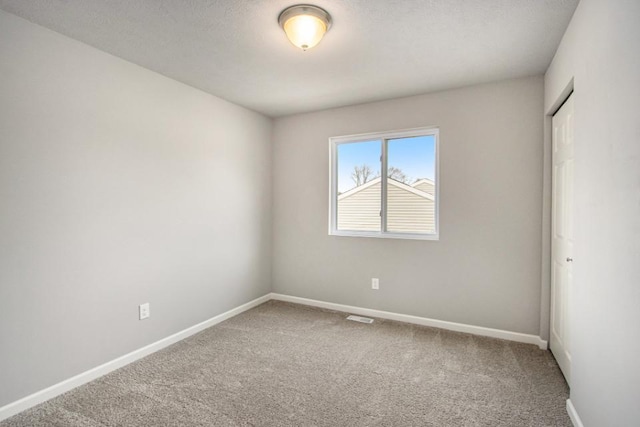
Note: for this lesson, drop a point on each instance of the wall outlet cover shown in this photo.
(144, 310)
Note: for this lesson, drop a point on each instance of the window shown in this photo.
(385, 185)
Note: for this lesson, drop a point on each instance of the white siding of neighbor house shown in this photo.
(360, 211)
(425, 185)
(407, 212)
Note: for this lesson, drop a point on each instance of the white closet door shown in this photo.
(562, 235)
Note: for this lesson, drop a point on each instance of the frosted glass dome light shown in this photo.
(304, 24)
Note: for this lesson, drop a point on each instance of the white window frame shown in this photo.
(334, 142)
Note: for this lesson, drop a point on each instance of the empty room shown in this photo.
(338, 213)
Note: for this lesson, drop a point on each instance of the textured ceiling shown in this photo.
(376, 49)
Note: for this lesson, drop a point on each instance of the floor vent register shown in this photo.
(360, 319)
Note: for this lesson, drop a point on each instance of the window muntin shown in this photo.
(399, 203)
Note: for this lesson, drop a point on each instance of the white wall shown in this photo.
(601, 53)
(486, 268)
(117, 186)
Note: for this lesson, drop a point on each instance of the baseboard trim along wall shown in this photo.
(90, 375)
(62, 387)
(424, 321)
(573, 415)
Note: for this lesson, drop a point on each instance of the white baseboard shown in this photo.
(90, 375)
(575, 419)
(442, 324)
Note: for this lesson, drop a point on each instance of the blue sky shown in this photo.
(414, 156)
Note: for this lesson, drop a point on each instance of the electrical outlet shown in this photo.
(375, 283)
(145, 310)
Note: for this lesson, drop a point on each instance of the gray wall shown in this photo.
(117, 186)
(600, 52)
(486, 268)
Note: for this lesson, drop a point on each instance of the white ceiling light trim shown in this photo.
(304, 24)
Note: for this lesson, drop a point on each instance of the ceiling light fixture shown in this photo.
(304, 24)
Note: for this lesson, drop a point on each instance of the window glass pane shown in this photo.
(359, 190)
(411, 184)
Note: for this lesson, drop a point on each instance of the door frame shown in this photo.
(545, 285)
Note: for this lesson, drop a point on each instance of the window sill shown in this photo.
(388, 235)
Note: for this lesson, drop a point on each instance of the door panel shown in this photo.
(562, 235)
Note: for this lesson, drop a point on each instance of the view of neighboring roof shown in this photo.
(426, 185)
(410, 188)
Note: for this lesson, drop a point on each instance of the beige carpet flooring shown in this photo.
(283, 364)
